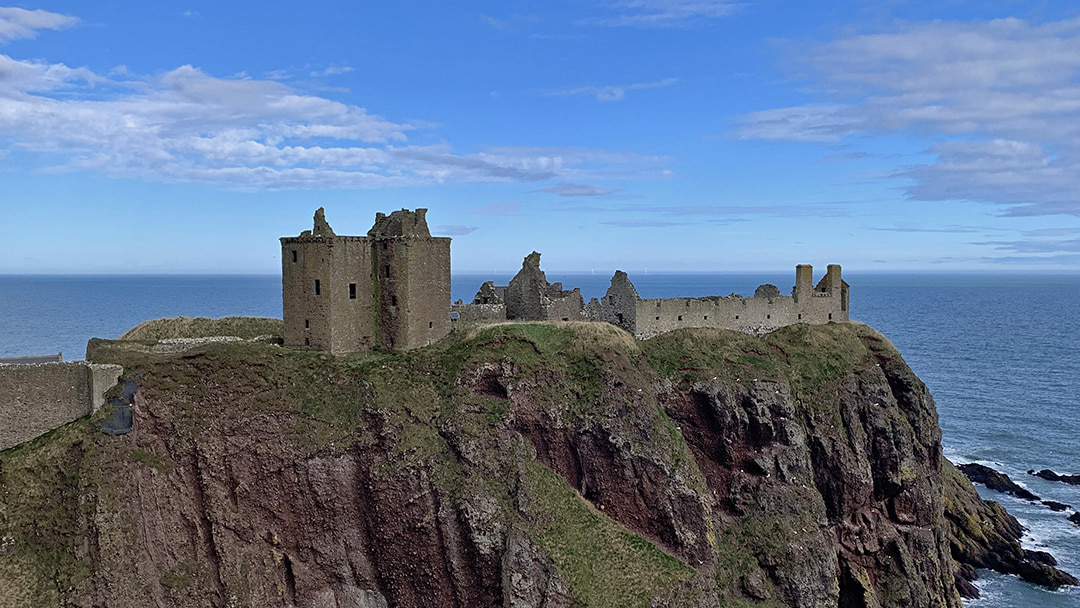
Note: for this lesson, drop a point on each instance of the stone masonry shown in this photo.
(388, 290)
(35, 399)
(530, 297)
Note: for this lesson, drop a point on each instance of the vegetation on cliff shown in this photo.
(513, 465)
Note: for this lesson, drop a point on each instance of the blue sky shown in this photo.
(186, 137)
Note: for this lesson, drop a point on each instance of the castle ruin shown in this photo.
(530, 297)
(389, 289)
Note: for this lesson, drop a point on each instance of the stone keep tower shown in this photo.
(389, 289)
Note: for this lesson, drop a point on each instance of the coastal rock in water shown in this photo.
(1049, 475)
(1075, 518)
(983, 535)
(995, 480)
(1056, 506)
(524, 465)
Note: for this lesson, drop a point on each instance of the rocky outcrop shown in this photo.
(519, 465)
(995, 480)
(1049, 475)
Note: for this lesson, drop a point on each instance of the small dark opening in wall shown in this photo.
(657, 318)
(318, 287)
(393, 300)
(658, 304)
(307, 341)
(800, 315)
(307, 323)
(706, 317)
(566, 318)
(830, 316)
(430, 324)
(352, 291)
(293, 256)
(680, 317)
(768, 316)
(386, 269)
(384, 245)
(688, 302)
(736, 316)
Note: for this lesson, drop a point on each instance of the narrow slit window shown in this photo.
(680, 317)
(352, 291)
(293, 256)
(768, 316)
(706, 317)
(430, 324)
(736, 317)
(318, 287)
(307, 323)
(393, 300)
(386, 269)
(657, 318)
(830, 316)
(800, 316)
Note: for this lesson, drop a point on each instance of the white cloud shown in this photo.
(614, 92)
(332, 70)
(186, 125)
(667, 13)
(565, 189)
(1002, 98)
(16, 23)
(453, 230)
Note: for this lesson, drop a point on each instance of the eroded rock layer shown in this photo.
(519, 465)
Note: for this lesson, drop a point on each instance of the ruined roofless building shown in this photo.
(765, 311)
(389, 289)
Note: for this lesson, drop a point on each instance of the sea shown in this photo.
(1000, 353)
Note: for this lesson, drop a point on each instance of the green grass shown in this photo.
(202, 327)
(603, 563)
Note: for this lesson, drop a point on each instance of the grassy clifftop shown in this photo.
(560, 464)
(202, 327)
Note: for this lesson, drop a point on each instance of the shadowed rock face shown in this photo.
(521, 465)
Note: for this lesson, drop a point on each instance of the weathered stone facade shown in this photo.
(35, 399)
(766, 311)
(529, 296)
(389, 289)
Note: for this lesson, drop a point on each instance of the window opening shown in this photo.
(294, 256)
(318, 287)
(386, 269)
(706, 317)
(307, 323)
(830, 316)
(430, 324)
(393, 300)
(768, 316)
(680, 317)
(352, 291)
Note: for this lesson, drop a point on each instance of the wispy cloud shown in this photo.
(499, 208)
(186, 125)
(642, 223)
(613, 92)
(666, 13)
(1000, 97)
(16, 23)
(332, 70)
(452, 230)
(566, 189)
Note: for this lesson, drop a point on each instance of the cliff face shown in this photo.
(521, 465)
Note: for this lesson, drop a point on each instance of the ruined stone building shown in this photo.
(530, 297)
(389, 289)
(765, 311)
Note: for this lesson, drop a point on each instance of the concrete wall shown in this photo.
(35, 399)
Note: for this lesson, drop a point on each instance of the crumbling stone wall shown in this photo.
(529, 296)
(35, 399)
(766, 311)
(389, 289)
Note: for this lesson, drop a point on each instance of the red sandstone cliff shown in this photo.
(522, 465)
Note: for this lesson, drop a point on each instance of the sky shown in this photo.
(661, 135)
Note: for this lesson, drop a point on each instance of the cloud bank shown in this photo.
(186, 125)
(19, 23)
(1000, 99)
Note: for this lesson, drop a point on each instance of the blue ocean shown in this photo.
(1000, 353)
